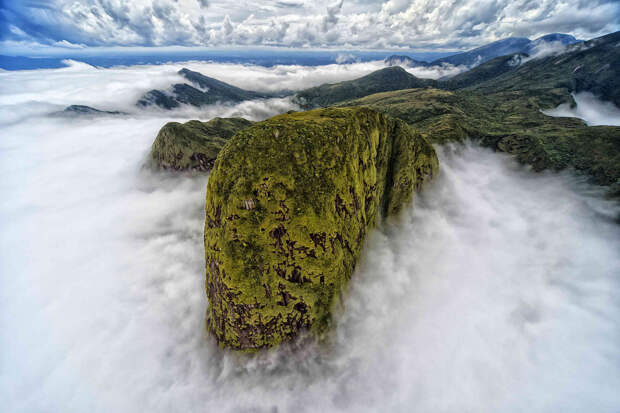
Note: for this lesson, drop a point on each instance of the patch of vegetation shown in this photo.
(511, 122)
(592, 66)
(193, 145)
(499, 104)
(289, 203)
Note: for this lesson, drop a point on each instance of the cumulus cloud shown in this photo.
(394, 24)
(331, 18)
(346, 58)
(497, 291)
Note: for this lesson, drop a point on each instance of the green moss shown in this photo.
(193, 145)
(289, 203)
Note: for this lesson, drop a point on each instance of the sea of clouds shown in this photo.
(498, 291)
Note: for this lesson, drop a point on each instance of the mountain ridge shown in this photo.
(484, 53)
(386, 79)
(203, 90)
(499, 104)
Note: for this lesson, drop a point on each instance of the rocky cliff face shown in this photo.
(289, 203)
(193, 145)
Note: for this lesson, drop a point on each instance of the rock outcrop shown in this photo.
(289, 203)
(193, 145)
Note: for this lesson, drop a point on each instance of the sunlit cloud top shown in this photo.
(430, 24)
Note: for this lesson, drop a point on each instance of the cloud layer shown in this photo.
(497, 292)
(28, 93)
(299, 23)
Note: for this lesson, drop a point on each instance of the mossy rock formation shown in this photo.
(193, 145)
(289, 203)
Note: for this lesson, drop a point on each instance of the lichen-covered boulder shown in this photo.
(193, 145)
(289, 203)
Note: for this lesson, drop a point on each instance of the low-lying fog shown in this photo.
(593, 111)
(498, 292)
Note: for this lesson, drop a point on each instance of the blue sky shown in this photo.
(355, 24)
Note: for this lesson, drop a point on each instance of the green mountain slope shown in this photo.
(390, 78)
(511, 122)
(592, 66)
(486, 71)
(499, 104)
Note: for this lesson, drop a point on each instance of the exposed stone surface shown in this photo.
(193, 145)
(289, 203)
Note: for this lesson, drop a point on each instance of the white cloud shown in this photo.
(496, 292)
(346, 58)
(68, 45)
(436, 72)
(119, 88)
(417, 23)
(590, 109)
(331, 18)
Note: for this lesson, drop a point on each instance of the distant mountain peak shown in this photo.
(204, 90)
(382, 80)
(482, 54)
(558, 37)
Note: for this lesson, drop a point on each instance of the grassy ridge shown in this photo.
(499, 104)
(390, 78)
(511, 122)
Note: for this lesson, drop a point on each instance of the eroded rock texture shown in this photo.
(289, 203)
